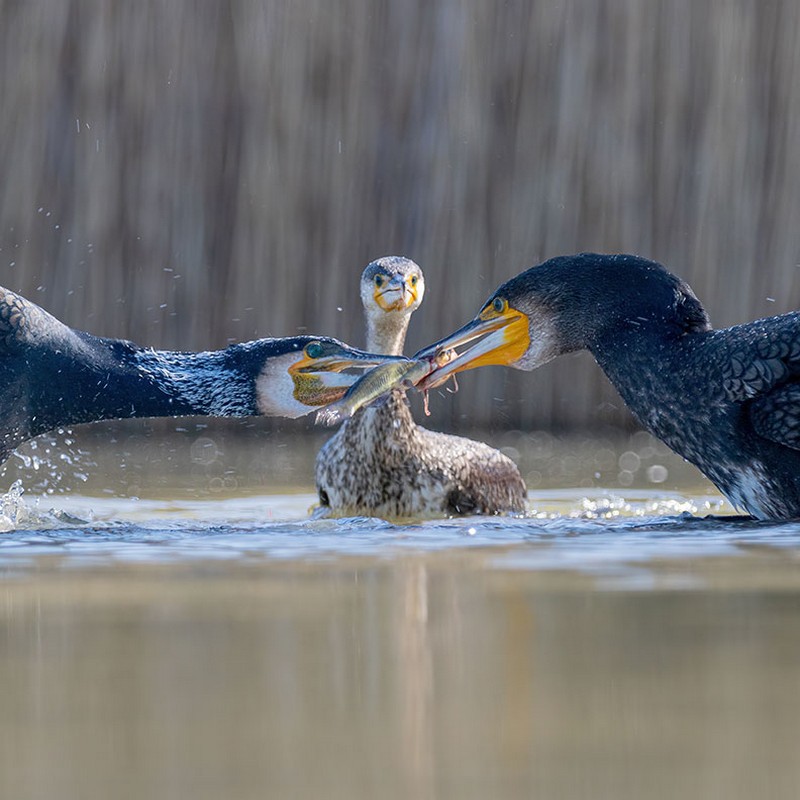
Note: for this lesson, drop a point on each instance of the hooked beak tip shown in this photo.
(502, 340)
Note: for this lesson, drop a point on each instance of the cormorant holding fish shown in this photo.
(380, 462)
(726, 400)
(52, 375)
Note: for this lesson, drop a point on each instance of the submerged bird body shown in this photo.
(52, 375)
(380, 462)
(400, 469)
(726, 400)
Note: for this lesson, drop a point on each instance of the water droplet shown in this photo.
(629, 461)
(657, 473)
(625, 477)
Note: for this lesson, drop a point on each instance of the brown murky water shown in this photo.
(606, 646)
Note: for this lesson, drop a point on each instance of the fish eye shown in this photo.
(314, 350)
(379, 281)
(499, 305)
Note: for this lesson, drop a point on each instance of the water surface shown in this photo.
(619, 642)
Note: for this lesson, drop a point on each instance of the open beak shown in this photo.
(502, 338)
(396, 295)
(324, 380)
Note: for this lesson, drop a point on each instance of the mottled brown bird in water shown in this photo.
(380, 462)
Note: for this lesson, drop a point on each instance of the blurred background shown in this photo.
(191, 174)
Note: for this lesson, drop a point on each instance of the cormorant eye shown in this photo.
(379, 281)
(314, 350)
(499, 305)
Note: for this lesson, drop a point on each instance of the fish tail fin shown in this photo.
(332, 415)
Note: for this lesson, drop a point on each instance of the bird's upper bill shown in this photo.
(500, 334)
(396, 292)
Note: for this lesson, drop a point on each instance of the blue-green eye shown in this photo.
(314, 350)
(499, 305)
(379, 281)
(414, 279)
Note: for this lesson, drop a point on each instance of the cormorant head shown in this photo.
(304, 373)
(566, 304)
(392, 288)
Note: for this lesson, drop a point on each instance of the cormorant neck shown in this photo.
(646, 365)
(386, 333)
(86, 378)
(135, 382)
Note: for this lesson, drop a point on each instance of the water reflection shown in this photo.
(419, 676)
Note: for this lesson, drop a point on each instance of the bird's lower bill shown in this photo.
(315, 390)
(321, 381)
(501, 340)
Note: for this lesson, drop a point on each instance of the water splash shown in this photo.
(50, 464)
(12, 508)
(599, 505)
(16, 514)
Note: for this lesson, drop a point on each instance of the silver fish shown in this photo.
(373, 384)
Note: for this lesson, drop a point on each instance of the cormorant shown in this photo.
(380, 462)
(726, 400)
(52, 375)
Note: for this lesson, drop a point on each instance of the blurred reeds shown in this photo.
(190, 173)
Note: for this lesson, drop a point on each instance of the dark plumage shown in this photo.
(380, 462)
(52, 375)
(726, 400)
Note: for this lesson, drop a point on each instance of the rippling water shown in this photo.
(622, 540)
(589, 528)
(598, 532)
(612, 643)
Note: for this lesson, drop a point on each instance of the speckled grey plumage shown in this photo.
(381, 463)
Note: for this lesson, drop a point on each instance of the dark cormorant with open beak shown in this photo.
(726, 400)
(52, 375)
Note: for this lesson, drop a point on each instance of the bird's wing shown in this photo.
(13, 320)
(754, 368)
(764, 375)
(24, 325)
(776, 415)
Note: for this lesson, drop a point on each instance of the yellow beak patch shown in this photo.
(392, 296)
(515, 341)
